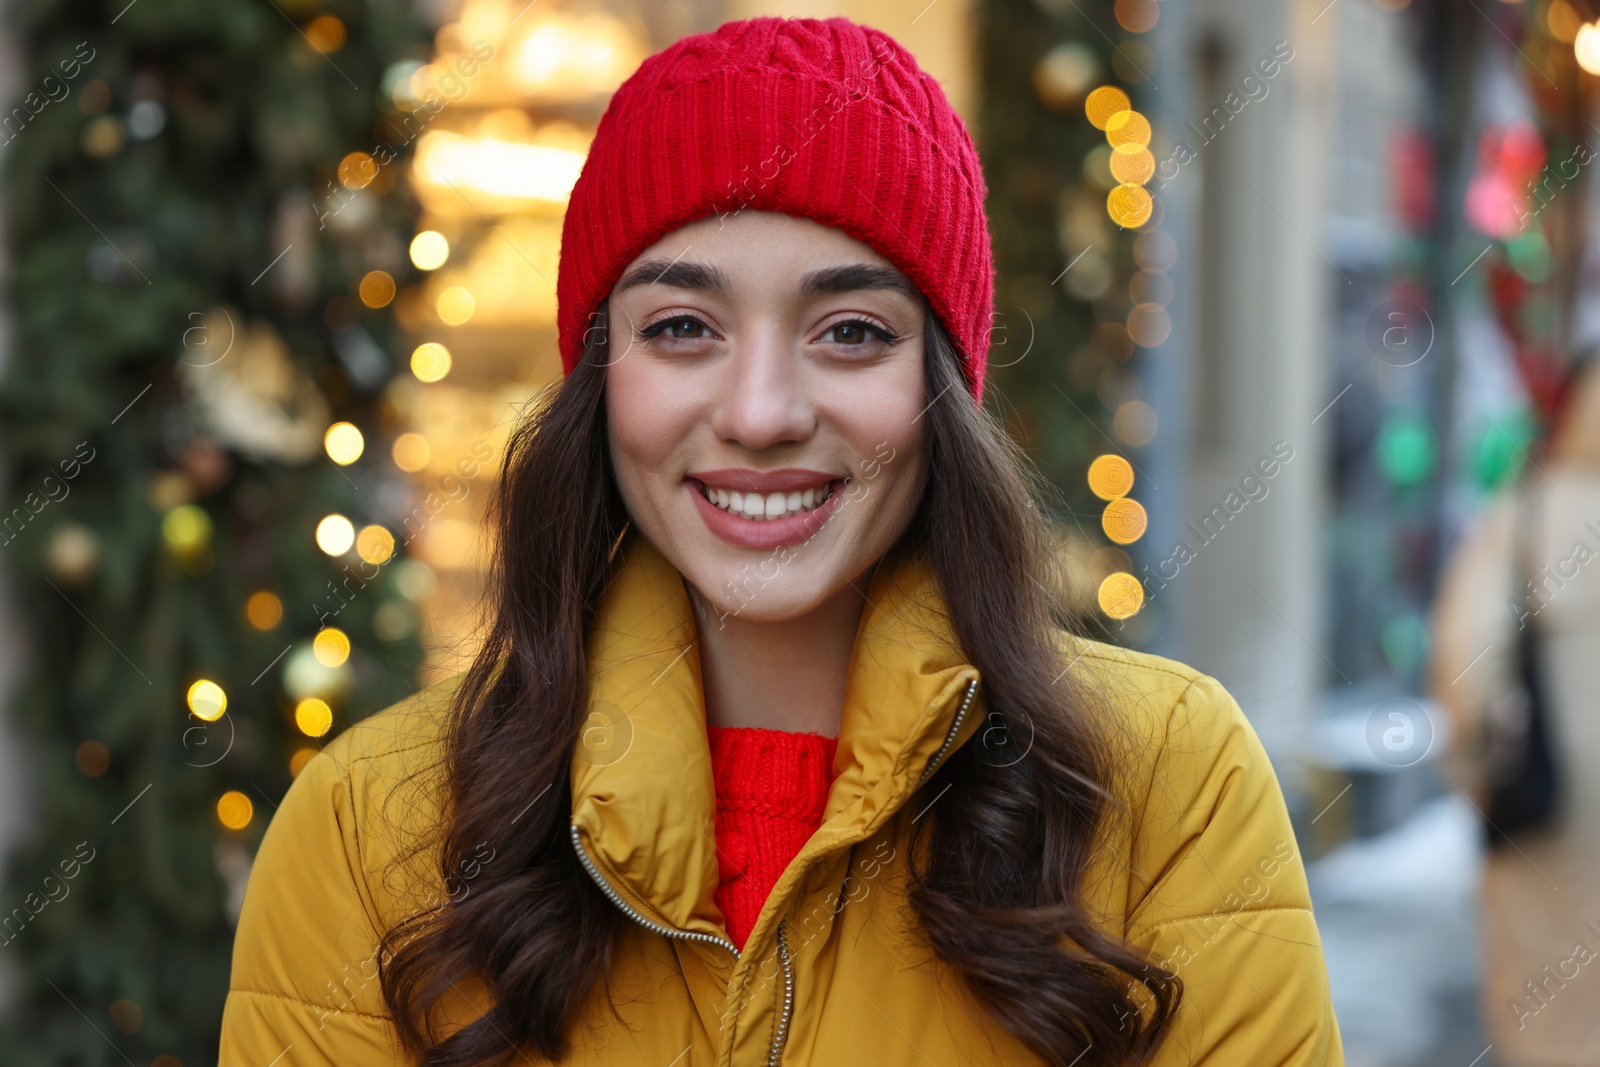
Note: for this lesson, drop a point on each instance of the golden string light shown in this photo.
(207, 700)
(376, 289)
(1132, 164)
(1110, 476)
(1586, 47)
(1120, 595)
(375, 544)
(331, 646)
(455, 306)
(411, 452)
(343, 443)
(1103, 103)
(325, 33)
(234, 810)
(357, 170)
(313, 717)
(1127, 128)
(429, 250)
(264, 610)
(430, 362)
(335, 535)
(1124, 520)
(1129, 205)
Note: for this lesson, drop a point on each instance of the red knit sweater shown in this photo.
(771, 788)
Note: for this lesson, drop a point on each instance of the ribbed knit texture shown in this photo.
(772, 786)
(822, 119)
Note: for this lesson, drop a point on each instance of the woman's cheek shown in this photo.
(646, 432)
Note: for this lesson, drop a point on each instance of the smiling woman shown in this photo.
(767, 371)
(781, 731)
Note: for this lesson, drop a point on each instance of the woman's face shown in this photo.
(774, 365)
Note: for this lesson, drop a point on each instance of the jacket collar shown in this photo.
(643, 803)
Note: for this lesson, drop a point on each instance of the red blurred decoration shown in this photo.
(1509, 157)
(1411, 157)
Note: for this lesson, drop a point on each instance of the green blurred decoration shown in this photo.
(1406, 449)
(186, 330)
(1500, 450)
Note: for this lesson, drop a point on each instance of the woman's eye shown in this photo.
(854, 333)
(683, 328)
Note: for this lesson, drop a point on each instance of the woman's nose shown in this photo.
(763, 399)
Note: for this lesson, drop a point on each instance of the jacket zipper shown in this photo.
(782, 1028)
(632, 913)
(955, 728)
(780, 1032)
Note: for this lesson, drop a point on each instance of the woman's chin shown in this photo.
(763, 591)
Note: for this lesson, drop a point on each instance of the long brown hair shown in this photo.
(996, 870)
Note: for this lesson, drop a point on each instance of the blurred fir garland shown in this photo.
(1061, 350)
(186, 329)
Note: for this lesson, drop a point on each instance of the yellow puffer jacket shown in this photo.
(1204, 873)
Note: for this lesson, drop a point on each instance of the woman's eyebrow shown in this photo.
(846, 278)
(853, 277)
(676, 274)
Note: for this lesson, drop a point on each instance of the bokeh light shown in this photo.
(331, 646)
(1137, 16)
(264, 610)
(1149, 325)
(1120, 596)
(455, 306)
(186, 528)
(1129, 205)
(325, 33)
(343, 443)
(1132, 164)
(1103, 103)
(1134, 423)
(411, 452)
(429, 250)
(335, 535)
(313, 717)
(376, 289)
(234, 810)
(357, 170)
(1124, 520)
(430, 361)
(207, 700)
(375, 544)
(1586, 47)
(1127, 127)
(1110, 476)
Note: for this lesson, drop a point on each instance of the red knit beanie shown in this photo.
(823, 119)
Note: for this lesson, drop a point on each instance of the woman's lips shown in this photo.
(765, 533)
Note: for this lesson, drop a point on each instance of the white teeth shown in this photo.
(769, 506)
